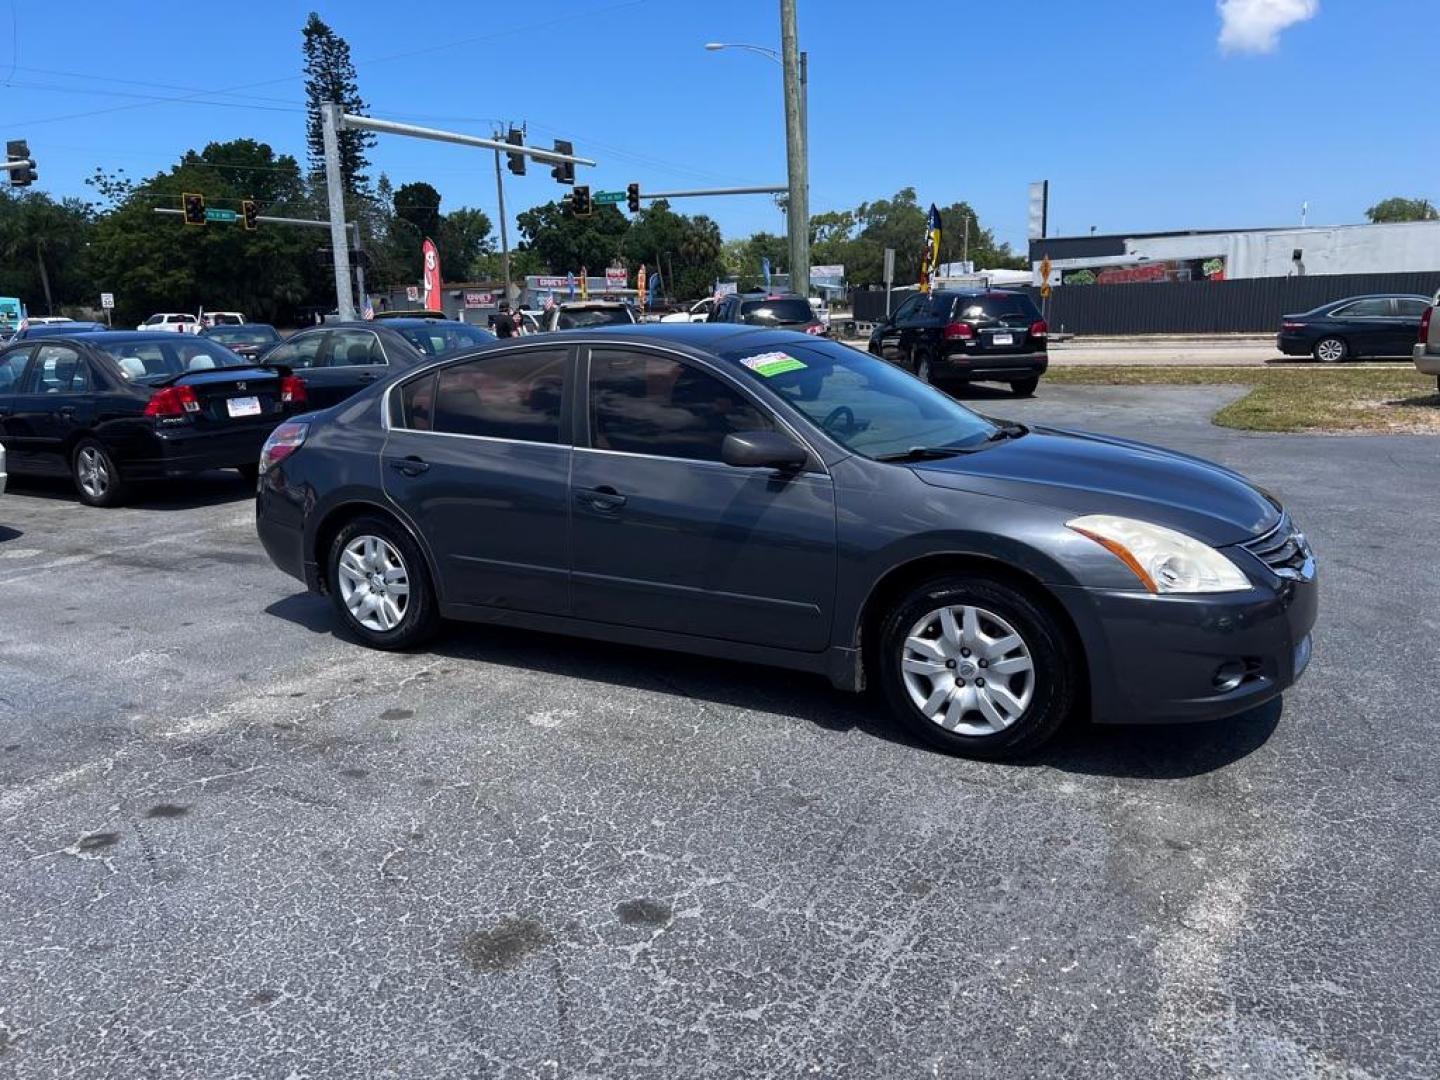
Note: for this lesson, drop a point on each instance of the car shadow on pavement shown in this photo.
(1155, 752)
(7, 533)
(184, 493)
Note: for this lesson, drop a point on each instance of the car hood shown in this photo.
(1082, 473)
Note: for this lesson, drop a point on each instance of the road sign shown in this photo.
(221, 215)
(107, 300)
(607, 198)
(412, 293)
(1045, 269)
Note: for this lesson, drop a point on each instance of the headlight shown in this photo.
(1164, 560)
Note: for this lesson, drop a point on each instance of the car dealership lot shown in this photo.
(237, 844)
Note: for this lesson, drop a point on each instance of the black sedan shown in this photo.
(337, 359)
(249, 340)
(60, 329)
(769, 496)
(1380, 325)
(110, 408)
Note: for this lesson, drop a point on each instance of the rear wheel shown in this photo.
(1330, 350)
(380, 586)
(976, 667)
(924, 370)
(97, 480)
(1024, 387)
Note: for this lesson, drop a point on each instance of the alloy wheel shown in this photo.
(967, 670)
(1331, 350)
(374, 583)
(93, 472)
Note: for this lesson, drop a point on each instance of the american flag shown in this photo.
(549, 301)
(369, 312)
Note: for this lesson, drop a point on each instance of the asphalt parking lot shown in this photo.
(235, 844)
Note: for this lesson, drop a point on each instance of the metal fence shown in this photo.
(1247, 305)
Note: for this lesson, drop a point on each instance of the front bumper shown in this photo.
(960, 364)
(180, 451)
(1159, 659)
(1426, 362)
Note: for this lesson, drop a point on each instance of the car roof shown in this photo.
(1379, 296)
(392, 324)
(119, 337)
(705, 336)
(238, 326)
(593, 303)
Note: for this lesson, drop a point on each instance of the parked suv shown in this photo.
(172, 322)
(967, 336)
(778, 311)
(1427, 348)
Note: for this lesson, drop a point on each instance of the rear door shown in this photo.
(300, 352)
(1408, 311)
(349, 361)
(478, 457)
(1368, 326)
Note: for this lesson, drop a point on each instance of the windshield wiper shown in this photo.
(924, 453)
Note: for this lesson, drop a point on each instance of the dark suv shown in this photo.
(779, 311)
(967, 336)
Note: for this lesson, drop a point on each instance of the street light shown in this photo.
(797, 214)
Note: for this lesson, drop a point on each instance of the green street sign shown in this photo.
(221, 215)
(607, 197)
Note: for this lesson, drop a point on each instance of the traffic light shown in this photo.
(19, 150)
(194, 208)
(580, 201)
(249, 214)
(632, 198)
(564, 171)
(517, 161)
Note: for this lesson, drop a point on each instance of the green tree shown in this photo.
(565, 243)
(418, 204)
(44, 251)
(1398, 208)
(330, 76)
(464, 240)
(985, 251)
(158, 263)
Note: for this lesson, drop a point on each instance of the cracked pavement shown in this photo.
(234, 844)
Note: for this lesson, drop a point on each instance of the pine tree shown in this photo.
(330, 76)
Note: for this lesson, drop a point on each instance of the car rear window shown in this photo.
(440, 338)
(1002, 307)
(578, 318)
(140, 361)
(250, 335)
(776, 312)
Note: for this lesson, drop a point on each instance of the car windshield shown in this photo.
(243, 335)
(578, 318)
(863, 403)
(443, 337)
(147, 359)
(776, 311)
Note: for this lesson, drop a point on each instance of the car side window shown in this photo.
(645, 404)
(355, 348)
(299, 352)
(12, 369)
(1411, 308)
(1361, 309)
(58, 369)
(512, 395)
(909, 308)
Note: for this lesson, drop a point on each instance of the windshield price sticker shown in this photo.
(771, 364)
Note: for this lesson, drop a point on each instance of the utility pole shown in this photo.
(965, 255)
(504, 235)
(798, 202)
(339, 242)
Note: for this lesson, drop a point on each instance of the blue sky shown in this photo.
(1131, 108)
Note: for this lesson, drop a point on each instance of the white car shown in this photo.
(224, 318)
(171, 322)
(49, 320)
(699, 312)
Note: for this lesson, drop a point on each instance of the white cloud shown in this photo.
(1254, 25)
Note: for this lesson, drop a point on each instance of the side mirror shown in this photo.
(763, 450)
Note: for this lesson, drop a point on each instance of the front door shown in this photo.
(478, 458)
(12, 382)
(668, 537)
(55, 400)
(894, 345)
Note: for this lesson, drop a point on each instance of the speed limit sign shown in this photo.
(107, 301)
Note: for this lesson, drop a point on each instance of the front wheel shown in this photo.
(97, 480)
(976, 667)
(380, 586)
(1330, 350)
(1025, 387)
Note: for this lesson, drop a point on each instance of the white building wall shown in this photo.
(1344, 249)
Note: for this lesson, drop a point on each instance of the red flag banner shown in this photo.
(431, 276)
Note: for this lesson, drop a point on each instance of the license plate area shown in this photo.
(243, 406)
(1002, 339)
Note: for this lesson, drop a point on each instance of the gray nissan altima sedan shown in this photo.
(768, 496)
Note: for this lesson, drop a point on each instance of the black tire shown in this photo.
(249, 473)
(419, 617)
(1025, 387)
(1334, 348)
(1052, 682)
(96, 477)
